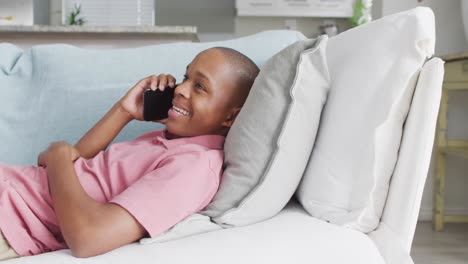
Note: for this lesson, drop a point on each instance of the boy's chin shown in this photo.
(174, 131)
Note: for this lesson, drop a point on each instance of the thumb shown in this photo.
(162, 121)
(75, 154)
(40, 160)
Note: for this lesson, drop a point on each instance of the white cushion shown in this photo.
(373, 68)
(269, 144)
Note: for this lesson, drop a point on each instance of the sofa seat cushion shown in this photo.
(292, 236)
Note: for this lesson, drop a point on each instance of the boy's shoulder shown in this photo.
(203, 162)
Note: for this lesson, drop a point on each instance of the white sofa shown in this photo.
(291, 236)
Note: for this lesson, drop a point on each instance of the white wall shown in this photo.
(449, 25)
(450, 39)
(207, 15)
(217, 19)
(309, 26)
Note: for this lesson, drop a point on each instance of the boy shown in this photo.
(93, 201)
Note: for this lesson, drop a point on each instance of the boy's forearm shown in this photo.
(73, 207)
(89, 228)
(102, 134)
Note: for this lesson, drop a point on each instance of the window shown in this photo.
(115, 12)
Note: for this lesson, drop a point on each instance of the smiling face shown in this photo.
(204, 103)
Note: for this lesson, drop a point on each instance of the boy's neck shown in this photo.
(169, 135)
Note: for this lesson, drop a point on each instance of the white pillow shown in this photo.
(373, 68)
(269, 144)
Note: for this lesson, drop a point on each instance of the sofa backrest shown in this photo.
(57, 92)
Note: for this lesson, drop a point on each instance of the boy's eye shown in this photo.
(199, 86)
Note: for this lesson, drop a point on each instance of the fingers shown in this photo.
(160, 81)
(60, 148)
(57, 144)
(146, 82)
(154, 82)
(172, 80)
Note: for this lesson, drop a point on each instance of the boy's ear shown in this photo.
(231, 116)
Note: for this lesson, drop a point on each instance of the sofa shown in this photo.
(57, 92)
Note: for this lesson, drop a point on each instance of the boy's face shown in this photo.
(205, 98)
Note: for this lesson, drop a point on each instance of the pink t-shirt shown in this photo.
(159, 181)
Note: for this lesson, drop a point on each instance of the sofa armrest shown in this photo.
(401, 210)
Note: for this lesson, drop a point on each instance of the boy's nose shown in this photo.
(183, 89)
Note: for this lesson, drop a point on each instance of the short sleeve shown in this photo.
(181, 186)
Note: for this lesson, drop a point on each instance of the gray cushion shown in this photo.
(269, 144)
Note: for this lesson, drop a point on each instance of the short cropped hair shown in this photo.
(245, 70)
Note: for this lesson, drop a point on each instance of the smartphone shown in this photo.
(156, 104)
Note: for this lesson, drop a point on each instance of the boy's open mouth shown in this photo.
(180, 110)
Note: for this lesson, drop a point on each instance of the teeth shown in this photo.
(181, 111)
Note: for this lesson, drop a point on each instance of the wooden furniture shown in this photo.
(456, 78)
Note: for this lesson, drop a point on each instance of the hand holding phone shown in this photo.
(132, 101)
(157, 103)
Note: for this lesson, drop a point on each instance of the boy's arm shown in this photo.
(102, 134)
(125, 110)
(88, 227)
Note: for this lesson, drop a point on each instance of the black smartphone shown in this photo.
(156, 104)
